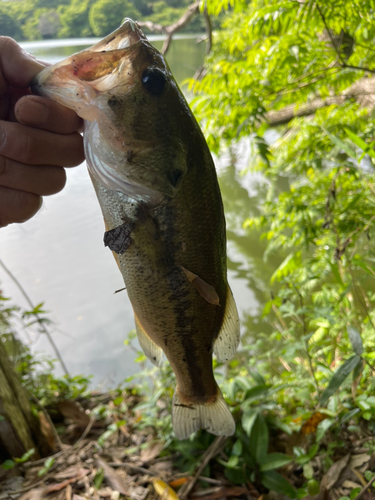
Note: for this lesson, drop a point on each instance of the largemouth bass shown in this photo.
(157, 187)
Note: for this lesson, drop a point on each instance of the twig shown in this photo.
(350, 66)
(363, 490)
(210, 453)
(329, 34)
(207, 21)
(135, 468)
(85, 432)
(42, 325)
(171, 29)
(210, 480)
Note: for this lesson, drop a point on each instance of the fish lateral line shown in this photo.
(118, 239)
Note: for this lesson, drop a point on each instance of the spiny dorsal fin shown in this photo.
(151, 350)
(227, 341)
(205, 290)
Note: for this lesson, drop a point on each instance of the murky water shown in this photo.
(59, 257)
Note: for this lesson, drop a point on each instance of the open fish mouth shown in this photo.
(103, 85)
(77, 81)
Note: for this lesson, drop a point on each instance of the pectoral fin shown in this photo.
(227, 341)
(151, 350)
(205, 290)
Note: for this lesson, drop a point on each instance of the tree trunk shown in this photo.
(19, 428)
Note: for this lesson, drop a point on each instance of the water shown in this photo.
(60, 259)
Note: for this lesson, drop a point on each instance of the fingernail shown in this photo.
(3, 137)
(32, 112)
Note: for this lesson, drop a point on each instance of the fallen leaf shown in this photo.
(311, 424)
(34, 494)
(57, 486)
(71, 472)
(358, 460)
(71, 409)
(334, 472)
(68, 492)
(138, 492)
(179, 482)
(151, 452)
(111, 477)
(234, 491)
(350, 485)
(163, 490)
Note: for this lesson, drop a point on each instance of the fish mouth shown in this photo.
(85, 82)
(77, 81)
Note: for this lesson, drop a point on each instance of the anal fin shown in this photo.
(151, 350)
(226, 343)
(214, 417)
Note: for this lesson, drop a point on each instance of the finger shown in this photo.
(47, 115)
(17, 206)
(38, 147)
(40, 180)
(17, 66)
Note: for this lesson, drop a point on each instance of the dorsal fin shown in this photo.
(227, 341)
(151, 350)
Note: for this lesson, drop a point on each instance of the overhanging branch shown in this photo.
(170, 30)
(362, 91)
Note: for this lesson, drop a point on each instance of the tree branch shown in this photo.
(170, 30)
(207, 20)
(361, 91)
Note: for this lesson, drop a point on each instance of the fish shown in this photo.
(157, 187)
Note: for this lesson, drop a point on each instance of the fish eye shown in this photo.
(153, 80)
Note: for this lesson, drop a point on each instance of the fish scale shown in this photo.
(157, 187)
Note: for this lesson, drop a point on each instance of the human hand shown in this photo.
(38, 137)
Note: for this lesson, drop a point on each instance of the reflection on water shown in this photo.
(60, 259)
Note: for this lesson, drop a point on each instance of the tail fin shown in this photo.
(214, 417)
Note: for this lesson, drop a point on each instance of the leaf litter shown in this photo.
(133, 463)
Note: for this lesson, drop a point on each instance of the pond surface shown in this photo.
(60, 259)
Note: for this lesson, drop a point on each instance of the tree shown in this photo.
(296, 80)
(8, 25)
(106, 15)
(20, 429)
(74, 19)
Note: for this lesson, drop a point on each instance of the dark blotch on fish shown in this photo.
(118, 239)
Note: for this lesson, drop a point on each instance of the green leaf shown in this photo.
(25, 456)
(257, 391)
(366, 148)
(259, 438)
(341, 144)
(339, 376)
(47, 465)
(8, 464)
(308, 471)
(248, 420)
(273, 461)
(323, 428)
(98, 478)
(237, 448)
(276, 482)
(350, 415)
(355, 339)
